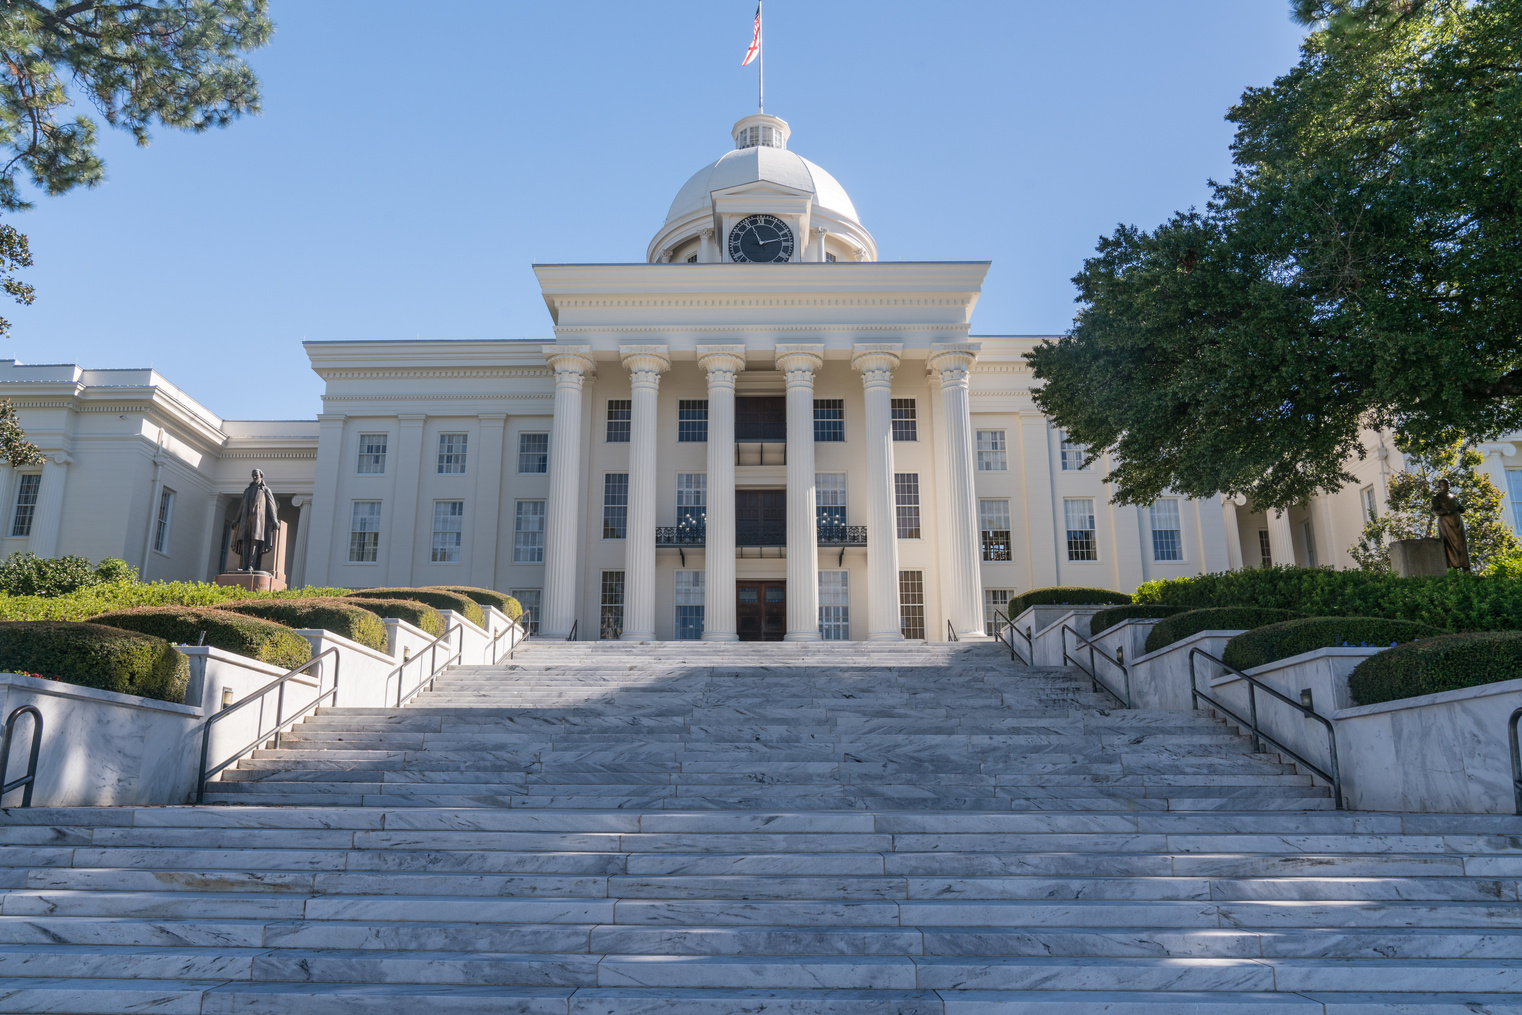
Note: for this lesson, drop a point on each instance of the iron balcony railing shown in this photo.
(689, 536)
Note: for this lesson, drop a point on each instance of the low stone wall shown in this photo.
(1044, 624)
(1161, 679)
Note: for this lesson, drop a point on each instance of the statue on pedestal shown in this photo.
(257, 524)
(1450, 525)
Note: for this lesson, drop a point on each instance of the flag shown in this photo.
(755, 42)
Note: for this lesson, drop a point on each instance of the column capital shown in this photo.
(571, 363)
(952, 360)
(876, 361)
(721, 362)
(799, 363)
(412, 418)
(645, 363)
(492, 417)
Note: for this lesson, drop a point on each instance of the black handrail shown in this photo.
(1334, 776)
(572, 635)
(278, 682)
(512, 645)
(1516, 758)
(1093, 671)
(433, 664)
(30, 779)
(951, 632)
(1009, 625)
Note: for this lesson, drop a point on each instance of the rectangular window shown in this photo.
(533, 453)
(829, 500)
(829, 419)
(615, 505)
(1265, 548)
(364, 532)
(993, 522)
(612, 620)
(620, 411)
(1366, 501)
(452, 454)
(911, 604)
(691, 500)
(1073, 454)
(161, 524)
(834, 605)
(906, 503)
(26, 504)
(1167, 535)
(530, 600)
(905, 428)
(528, 532)
(993, 456)
(1079, 515)
(1310, 544)
(1514, 487)
(692, 420)
(372, 454)
(995, 600)
(448, 530)
(829, 258)
(689, 605)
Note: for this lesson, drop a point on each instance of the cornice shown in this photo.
(756, 328)
(390, 373)
(545, 395)
(604, 303)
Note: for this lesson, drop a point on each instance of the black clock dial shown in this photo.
(761, 239)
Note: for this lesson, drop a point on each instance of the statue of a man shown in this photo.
(1450, 525)
(257, 524)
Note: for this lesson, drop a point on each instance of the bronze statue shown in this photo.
(1450, 526)
(257, 524)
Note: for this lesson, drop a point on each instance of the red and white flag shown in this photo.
(755, 42)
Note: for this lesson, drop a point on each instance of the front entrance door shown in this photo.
(761, 610)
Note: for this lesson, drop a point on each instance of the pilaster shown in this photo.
(47, 517)
(325, 510)
(407, 488)
(488, 506)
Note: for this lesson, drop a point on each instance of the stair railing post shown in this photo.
(1252, 701)
(1516, 758)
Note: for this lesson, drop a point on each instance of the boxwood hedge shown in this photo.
(1444, 663)
(486, 597)
(439, 599)
(337, 615)
(419, 615)
(1148, 611)
(94, 655)
(253, 637)
(1291, 637)
(1224, 618)
(1064, 595)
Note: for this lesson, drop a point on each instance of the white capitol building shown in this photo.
(761, 431)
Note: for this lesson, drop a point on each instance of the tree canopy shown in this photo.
(1362, 268)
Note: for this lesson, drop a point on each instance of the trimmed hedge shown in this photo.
(1221, 618)
(439, 599)
(124, 595)
(486, 597)
(419, 615)
(94, 655)
(1109, 618)
(1292, 637)
(1438, 664)
(253, 637)
(1064, 595)
(337, 615)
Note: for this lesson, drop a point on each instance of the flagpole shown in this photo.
(760, 61)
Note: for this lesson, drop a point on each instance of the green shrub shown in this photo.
(1292, 637)
(1221, 618)
(1109, 618)
(25, 574)
(337, 615)
(1063, 595)
(486, 597)
(94, 655)
(1438, 664)
(419, 615)
(253, 637)
(123, 595)
(1456, 601)
(439, 599)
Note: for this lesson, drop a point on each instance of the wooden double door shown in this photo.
(761, 610)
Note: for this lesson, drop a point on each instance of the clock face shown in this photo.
(760, 238)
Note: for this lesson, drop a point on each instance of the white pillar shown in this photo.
(645, 364)
(47, 517)
(721, 363)
(798, 363)
(563, 512)
(410, 467)
(297, 577)
(953, 362)
(707, 254)
(488, 505)
(1233, 533)
(818, 244)
(326, 511)
(877, 363)
(1281, 539)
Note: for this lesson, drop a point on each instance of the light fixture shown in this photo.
(1305, 697)
(227, 698)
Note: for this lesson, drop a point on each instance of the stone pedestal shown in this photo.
(1412, 558)
(254, 581)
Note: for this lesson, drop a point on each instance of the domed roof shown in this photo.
(761, 164)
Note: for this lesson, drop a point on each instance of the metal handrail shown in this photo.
(1009, 625)
(30, 779)
(1334, 776)
(1516, 758)
(572, 635)
(512, 646)
(951, 632)
(1093, 671)
(278, 682)
(432, 649)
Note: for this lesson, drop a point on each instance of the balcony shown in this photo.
(683, 537)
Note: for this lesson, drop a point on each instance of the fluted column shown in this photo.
(952, 363)
(877, 363)
(47, 516)
(798, 364)
(562, 514)
(645, 364)
(721, 363)
(1281, 538)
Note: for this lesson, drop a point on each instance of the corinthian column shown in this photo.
(571, 365)
(798, 364)
(877, 363)
(645, 364)
(952, 363)
(721, 363)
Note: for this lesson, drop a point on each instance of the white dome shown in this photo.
(761, 164)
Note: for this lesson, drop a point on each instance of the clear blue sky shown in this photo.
(412, 161)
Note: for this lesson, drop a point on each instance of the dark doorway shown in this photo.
(761, 420)
(761, 610)
(760, 518)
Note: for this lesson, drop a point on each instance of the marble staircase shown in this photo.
(808, 830)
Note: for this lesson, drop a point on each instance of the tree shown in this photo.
(1409, 514)
(1362, 268)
